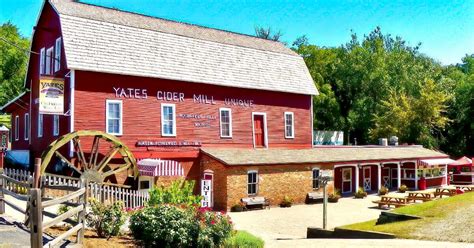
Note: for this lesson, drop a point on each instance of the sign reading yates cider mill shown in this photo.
(51, 96)
(136, 93)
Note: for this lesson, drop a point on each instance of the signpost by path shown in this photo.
(323, 180)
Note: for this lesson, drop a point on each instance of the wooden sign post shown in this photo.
(323, 180)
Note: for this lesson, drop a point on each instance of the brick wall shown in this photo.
(275, 182)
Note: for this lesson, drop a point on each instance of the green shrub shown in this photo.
(286, 202)
(105, 218)
(164, 226)
(179, 192)
(63, 209)
(383, 190)
(403, 188)
(360, 193)
(243, 239)
(214, 228)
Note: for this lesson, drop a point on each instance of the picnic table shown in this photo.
(422, 195)
(447, 191)
(469, 188)
(393, 200)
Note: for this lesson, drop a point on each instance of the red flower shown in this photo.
(213, 222)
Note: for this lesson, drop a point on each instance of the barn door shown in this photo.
(346, 180)
(367, 179)
(393, 176)
(386, 178)
(259, 131)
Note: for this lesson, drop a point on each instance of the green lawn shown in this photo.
(443, 219)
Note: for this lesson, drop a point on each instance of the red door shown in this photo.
(258, 131)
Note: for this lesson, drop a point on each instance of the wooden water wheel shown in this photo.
(96, 156)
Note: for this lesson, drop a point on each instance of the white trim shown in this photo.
(230, 122)
(42, 61)
(40, 126)
(342, 180)
(72, 85)
(119, 102)
(390, 162)
(256, 181)
(265, 131)
(312, 177)
(12, 101)
(26, 129)
(364, 178)
(57, 55)
(17, 128)
(49, 58)
(55, 125)
(311, 120)
(292, 136)
(148, 179)
(173, 106)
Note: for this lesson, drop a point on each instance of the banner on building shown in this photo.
(206, 189)
(51, 96)
(328, 138)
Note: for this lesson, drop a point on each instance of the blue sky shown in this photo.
(445, 28)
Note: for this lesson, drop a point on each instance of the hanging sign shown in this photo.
(147, 143)
(51, 96)
(206, 188)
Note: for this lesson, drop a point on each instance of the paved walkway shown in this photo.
(286, 227)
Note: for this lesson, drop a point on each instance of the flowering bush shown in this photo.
(214, 228)
(360, 193)
(403, 188)
(383, 190)
(239, 207)
(286, 202)
(106, 218)
(179, 192)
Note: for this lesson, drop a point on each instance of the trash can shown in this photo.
(422, 183)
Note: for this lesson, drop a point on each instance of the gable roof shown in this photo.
(239, 156)
(113, 41)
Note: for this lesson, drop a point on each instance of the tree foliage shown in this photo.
(379, 85)
(13, 59)
(268, 33)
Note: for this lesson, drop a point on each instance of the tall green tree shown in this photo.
(13, 59)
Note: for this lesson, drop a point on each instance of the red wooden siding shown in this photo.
(142, 117)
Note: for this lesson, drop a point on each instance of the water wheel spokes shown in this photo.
(106, 157)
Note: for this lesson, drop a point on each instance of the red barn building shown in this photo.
(208, 103)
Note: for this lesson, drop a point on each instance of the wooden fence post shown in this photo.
(2, 202)
(36, 218)
(82, 215)
(37, 175)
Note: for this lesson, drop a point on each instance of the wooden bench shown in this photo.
(313, 196)
(395, 201)
(420, 196)
(256, 201)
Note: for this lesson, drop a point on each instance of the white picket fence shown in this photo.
(102, 192)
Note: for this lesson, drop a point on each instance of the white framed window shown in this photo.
(168, 119)
(40, 125)
(42, 58)
(56, 125)
(49, 56)
(57, 55)
(252, 182)
(17, 127)
(225, 116)
(113, 119)
(26, 130)
(289, 125)
(145, 183)
(315, 174)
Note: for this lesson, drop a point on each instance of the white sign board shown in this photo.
(51, 96)
(206, 193)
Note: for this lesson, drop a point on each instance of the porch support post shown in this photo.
(416, 175)
(399, 175)
(379, 175)
(357, 178)
(446, 173)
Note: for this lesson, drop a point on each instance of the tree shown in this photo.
(267, 33)
(13, 59)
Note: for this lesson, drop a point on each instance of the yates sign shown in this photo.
(51, 96)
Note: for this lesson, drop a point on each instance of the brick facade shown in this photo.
(275, 182)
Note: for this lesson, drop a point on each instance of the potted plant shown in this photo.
(360, 193)
(286, 202)
(383, 190)
(239, 207)
(335, 196)
(403, 188)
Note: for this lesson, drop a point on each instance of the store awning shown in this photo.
(462, 161)
(433, 162)
(158, 167)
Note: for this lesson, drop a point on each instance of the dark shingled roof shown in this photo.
(238, 156)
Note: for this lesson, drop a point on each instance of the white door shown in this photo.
(346, 180)
(367, 179)
(386, 178)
